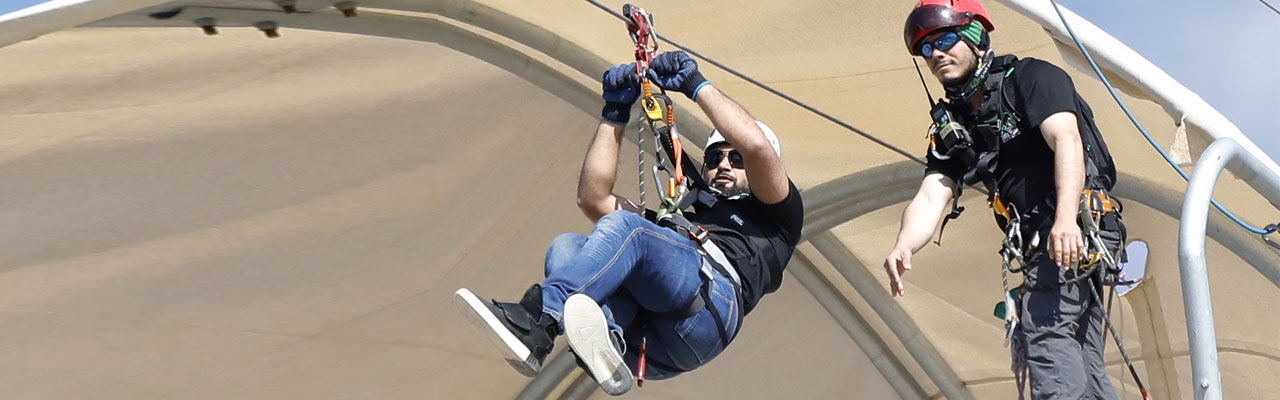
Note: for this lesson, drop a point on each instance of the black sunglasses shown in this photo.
(712, 158)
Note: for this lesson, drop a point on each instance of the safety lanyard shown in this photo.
(659, 115)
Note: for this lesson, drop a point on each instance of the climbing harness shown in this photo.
(1012, 250)
(978, 151)
(1094, 205)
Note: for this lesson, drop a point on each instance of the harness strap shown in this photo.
(713, 257)
(713, 260)
(722, 326)
(985, 162)
(700, 301)
(956, 209)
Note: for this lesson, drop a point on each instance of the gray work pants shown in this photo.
(1065, 338)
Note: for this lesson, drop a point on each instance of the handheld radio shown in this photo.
(946, 136)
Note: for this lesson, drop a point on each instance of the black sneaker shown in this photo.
(525, 340)
(596, 348)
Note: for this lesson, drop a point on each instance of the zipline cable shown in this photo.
(770, 89)
(1273, 8)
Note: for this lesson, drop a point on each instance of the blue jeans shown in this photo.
(630, 265)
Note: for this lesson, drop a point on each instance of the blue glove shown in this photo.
(674, 70)
(621, 88)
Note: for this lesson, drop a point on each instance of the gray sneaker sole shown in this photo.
(588, 334)
(477, 312)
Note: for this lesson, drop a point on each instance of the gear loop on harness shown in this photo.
(1013, 250)
(1100, 261)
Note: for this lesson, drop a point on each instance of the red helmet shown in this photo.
(932, 15)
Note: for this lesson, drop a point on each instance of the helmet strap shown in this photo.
(963, 93)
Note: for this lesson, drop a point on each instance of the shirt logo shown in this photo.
(1009, 131)
(737, 219)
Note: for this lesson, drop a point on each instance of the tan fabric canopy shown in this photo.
(190, 216)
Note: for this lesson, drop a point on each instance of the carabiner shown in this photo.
(1270, 229)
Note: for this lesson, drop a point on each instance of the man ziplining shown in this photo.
(638, 298)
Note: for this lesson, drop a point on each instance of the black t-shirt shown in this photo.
(757, 238)
(1025, 168)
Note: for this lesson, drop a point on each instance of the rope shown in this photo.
(640, 145)
(1015, 337)
(1106, 317)
(1018, 363)
(1110, 89)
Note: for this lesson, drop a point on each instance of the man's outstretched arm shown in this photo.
(918, 221)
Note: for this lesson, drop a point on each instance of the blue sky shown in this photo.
(13, 5)
(1225, 50)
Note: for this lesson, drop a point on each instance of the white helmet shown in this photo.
(717, 138)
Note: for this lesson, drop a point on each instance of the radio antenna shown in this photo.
(926, 86)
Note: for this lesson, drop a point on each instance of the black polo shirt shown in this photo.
(757, 238)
